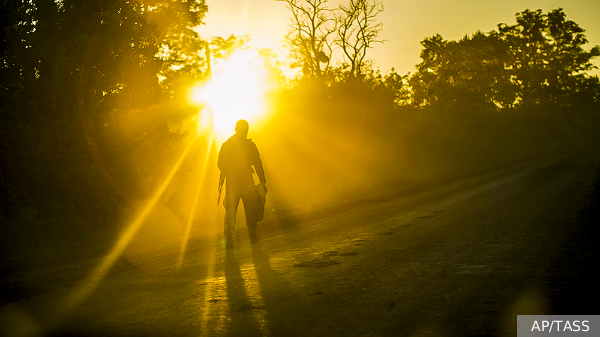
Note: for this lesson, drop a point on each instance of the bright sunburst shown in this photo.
(236, 91)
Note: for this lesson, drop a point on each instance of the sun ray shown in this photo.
(203, 164)
(81, 292)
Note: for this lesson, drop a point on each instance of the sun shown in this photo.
(236, 91)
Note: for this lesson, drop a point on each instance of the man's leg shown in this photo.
(231, 203)
(253, 216)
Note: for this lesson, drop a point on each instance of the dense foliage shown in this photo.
(539, 60)
(68, 69)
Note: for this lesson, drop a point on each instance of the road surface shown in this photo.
(462, 259)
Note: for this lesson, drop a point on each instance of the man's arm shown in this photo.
(220, 164)
(258, 166)
(220, 158)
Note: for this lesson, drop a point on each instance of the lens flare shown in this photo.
(236, 91)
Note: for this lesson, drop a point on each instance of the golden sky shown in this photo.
(405, 23)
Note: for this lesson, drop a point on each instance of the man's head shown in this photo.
(241, 128)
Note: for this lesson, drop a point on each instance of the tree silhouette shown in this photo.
(549, 62)
(466, 74)
(68, 68)
(540, 60)
(309, 36)
(357, 29)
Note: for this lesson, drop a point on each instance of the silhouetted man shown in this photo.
(238, 160)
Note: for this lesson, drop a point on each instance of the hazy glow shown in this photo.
(203, 168)
(236, 91)
(91, 282)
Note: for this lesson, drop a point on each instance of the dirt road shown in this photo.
(460, 260)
